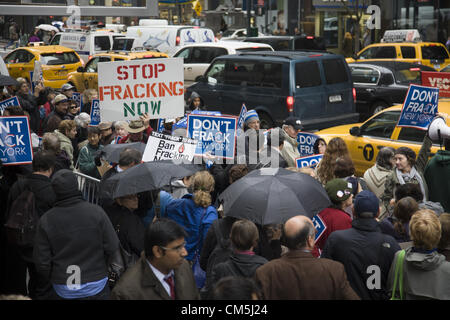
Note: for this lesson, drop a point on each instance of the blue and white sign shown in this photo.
(319, 225)
(15, 141)
(95, 113)
(419, 108)
(14, 101)
(306, 142)
(207, 113)
(216, 136)
(76, 96)
(309, 161)
(240, 125)
(160, 125)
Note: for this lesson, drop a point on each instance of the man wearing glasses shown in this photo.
(161, 273)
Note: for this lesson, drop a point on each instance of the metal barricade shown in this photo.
(89, 187)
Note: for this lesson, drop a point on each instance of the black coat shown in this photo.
(73, 232)
(28, 104)
(129, 227)
(358, 248)
(238, 265)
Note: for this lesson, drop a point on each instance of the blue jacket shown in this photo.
(189, 216)
(164, 199)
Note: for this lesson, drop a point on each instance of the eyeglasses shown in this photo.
(179, 248)
(76, 107)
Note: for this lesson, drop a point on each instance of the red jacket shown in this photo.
(326, 222)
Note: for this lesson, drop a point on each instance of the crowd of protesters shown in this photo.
(155, 244)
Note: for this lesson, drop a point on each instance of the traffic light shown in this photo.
(92, 2)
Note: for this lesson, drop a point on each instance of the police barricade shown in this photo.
(88, 186)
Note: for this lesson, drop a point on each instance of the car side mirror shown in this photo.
(200, 79)
(354, 131)
(80, 69)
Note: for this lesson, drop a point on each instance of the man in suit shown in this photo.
(161, 273)
(297, 274)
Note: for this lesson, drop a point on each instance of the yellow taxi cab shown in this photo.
(405, 45)
(364, 140)
(87, 77)
(56, 62)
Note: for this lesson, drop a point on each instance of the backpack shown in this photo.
(22, 218)
(221, 253)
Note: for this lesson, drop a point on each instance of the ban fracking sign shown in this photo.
(15, 142)
(128, 89)
(215, 136)
(419, 108)
(164, 147)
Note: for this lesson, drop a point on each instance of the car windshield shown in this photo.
(57, 58)
(228, 33)
(434, 53)
(122, 44)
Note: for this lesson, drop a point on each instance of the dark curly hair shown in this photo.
(408, 153)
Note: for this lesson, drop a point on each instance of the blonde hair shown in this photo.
(425, 229)
(87, 95)
(202, 184)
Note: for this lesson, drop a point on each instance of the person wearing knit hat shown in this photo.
(362, 246)
(334, 217)
(251, 120)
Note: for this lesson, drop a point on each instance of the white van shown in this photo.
(85, 43)
(169, 39)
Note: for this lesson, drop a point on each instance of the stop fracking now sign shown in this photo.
(128, 89)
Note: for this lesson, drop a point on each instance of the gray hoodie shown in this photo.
(425, 275)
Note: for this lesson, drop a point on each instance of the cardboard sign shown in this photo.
(215, 136)
(309, 161)
(95, 113)
(128, 89)
(440, 80)
(13, 101)
(37, 72)
(306, 142)
(240, 125)
(15, 141)
(419, 108)
(164, 147)
(76, 96)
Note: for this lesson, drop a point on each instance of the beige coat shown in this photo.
(290, 149)
(66, 145)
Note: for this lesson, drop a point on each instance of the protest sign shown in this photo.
(95, 113)
(15, 141)
(440, 80)
(308, 161)
(306, 142)
(160, 126)
(215, 136)
(240, 125)
(419, 108)
(128, 89)
(37, 72)
(76, 96)
(13, 101)
(164, 147)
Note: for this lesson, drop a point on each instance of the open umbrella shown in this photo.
(273, 195)
(8, 81)
(111, 152)
(147, 176)
(47, 27)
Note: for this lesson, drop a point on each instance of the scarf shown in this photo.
(409, 177)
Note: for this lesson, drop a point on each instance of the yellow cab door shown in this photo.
(374, 134)
(19, 63)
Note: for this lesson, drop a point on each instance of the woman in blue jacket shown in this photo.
(194, 212)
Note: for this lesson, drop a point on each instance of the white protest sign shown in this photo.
(128, 89)
(37, 72)
(164, 147)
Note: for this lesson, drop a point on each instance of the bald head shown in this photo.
(298, 233)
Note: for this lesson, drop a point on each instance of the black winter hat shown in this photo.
(65, 185)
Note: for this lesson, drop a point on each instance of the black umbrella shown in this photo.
(147, 176)
(111, 152)
(272, 195)
(8, 81)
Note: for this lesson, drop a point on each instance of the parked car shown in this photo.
(87, 77)
(315, 86)
(198, 57)
(56, 61)
(381, 84)
(237, 34)
(364, 140)
(283, 43)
